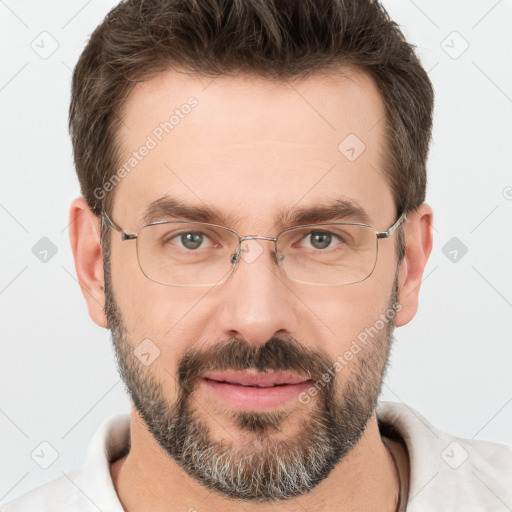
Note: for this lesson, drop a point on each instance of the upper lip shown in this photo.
(255, 378)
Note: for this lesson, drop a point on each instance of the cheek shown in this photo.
(341, 315)
(164, 313)
(168, 316)
(147, 307)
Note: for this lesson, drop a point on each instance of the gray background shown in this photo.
(452, 363)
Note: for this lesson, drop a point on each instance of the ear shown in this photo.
(418, 240)
(84, 233)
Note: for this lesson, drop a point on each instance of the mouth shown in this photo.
(254, 390)
(252, 378)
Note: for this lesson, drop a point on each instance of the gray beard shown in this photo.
(262, 470)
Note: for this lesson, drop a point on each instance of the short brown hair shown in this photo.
(274, 39)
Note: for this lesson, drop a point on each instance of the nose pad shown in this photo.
(235, 256)
(250, 253)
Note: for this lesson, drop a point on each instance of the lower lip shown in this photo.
(253, 398)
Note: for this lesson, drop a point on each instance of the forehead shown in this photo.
(250, 147)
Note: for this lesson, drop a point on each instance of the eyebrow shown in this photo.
(341, 209)
(171, 207)
(168, 206)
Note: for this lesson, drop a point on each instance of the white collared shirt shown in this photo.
(446, 473)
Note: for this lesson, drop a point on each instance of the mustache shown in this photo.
(276, 354)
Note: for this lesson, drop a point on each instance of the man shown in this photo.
(252, 229)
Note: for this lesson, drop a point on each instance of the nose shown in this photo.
(257, 302)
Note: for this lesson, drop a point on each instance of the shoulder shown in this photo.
(449, 472)
(60, 494)
(87, 488)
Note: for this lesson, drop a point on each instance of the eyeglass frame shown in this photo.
(235, 257)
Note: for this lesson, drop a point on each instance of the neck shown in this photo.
(147, 479)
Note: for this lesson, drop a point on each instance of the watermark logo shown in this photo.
(454, 455)
(356, 346)
(44, 455)
(44, 250)
(146, 352)
(352, 147)
(454, 45)
(151, 142)
(45, 45)
(454, 249)
(250, 253)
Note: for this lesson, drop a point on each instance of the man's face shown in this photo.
(250, 149)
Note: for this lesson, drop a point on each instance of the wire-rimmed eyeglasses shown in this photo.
(183, 253)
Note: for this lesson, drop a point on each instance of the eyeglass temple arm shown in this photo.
(113, 225)
(394, 227)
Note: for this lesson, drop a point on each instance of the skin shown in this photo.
(249, 148)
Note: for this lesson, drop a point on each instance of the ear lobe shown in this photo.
(84, 234)
(418, 238)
